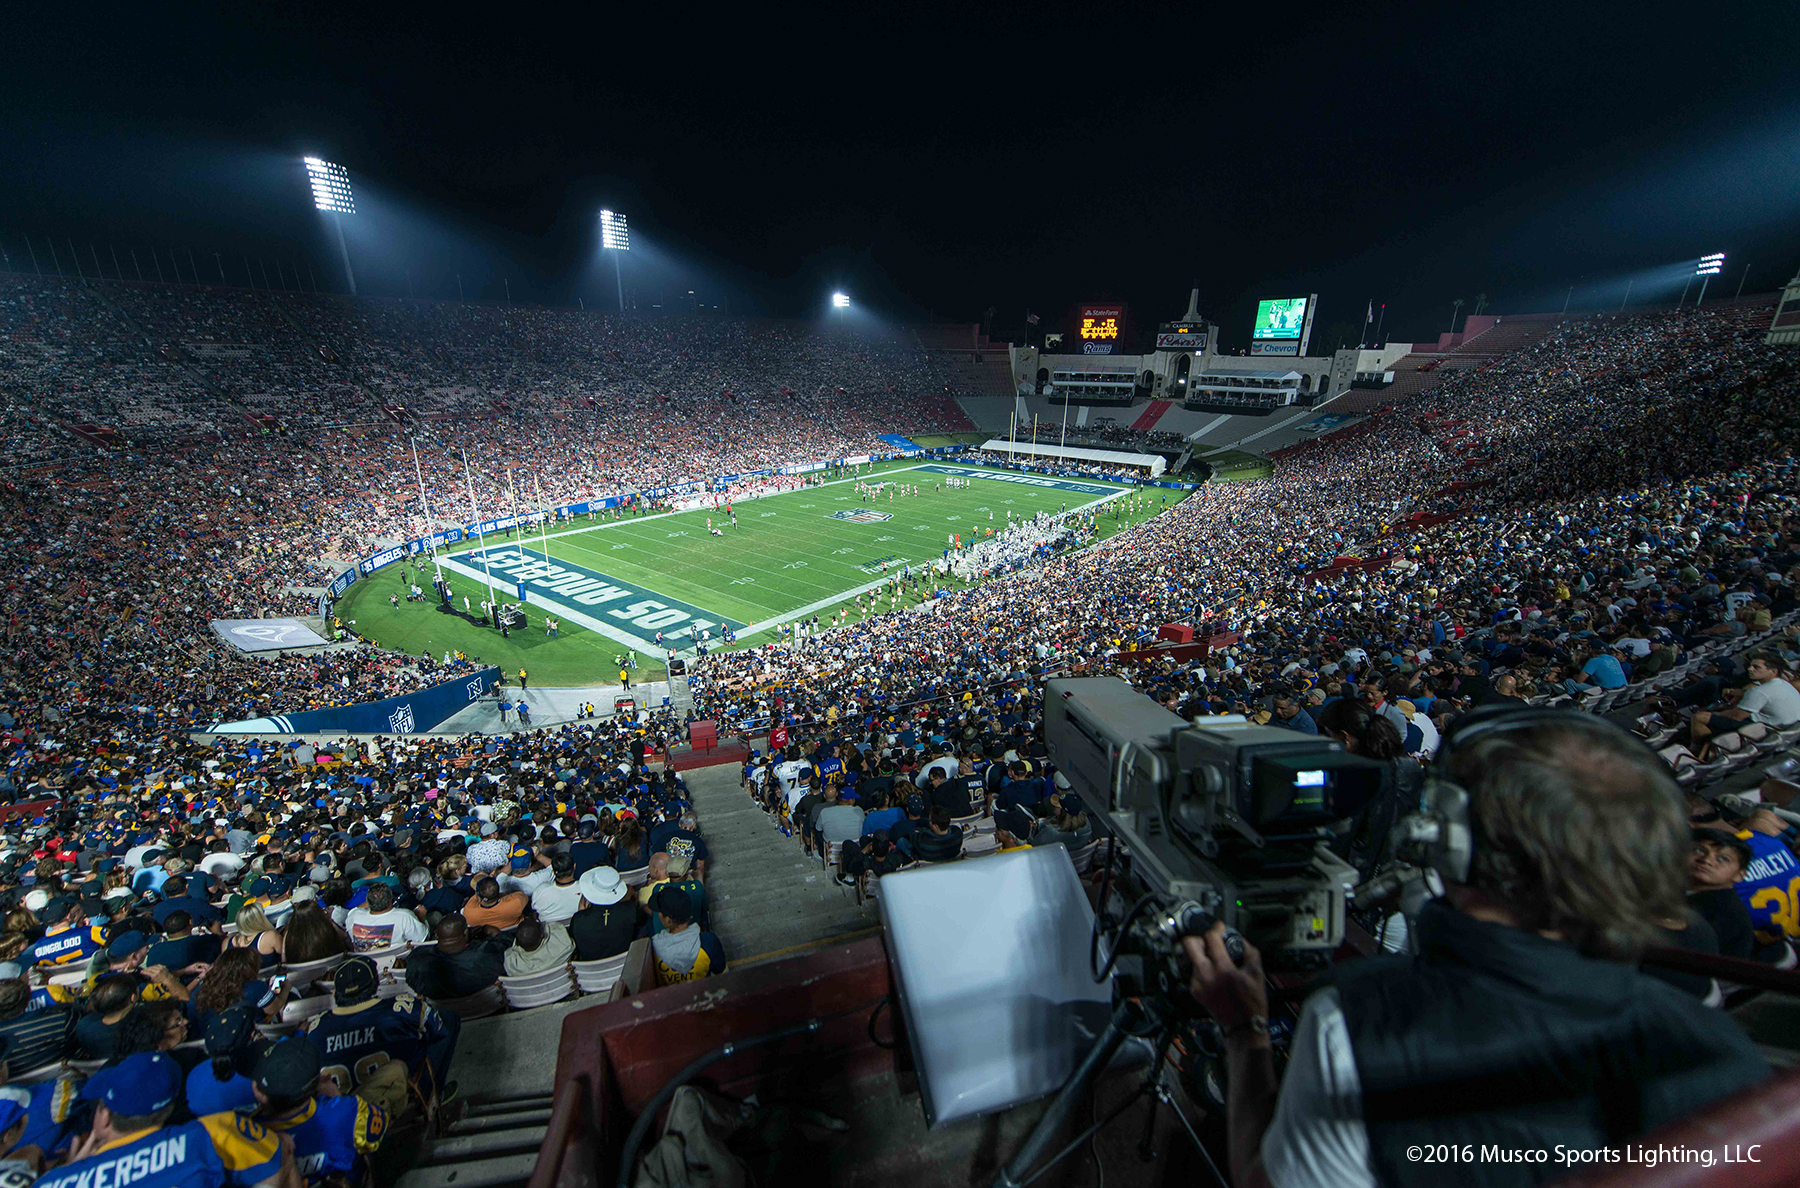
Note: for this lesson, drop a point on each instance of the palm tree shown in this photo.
(1481, 300)
(1455, 308)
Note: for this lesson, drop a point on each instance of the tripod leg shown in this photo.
(1152, 1085)
(1068, 1098)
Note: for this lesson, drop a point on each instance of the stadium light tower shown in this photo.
(615, 237)
(1708, 267)
(331, 195)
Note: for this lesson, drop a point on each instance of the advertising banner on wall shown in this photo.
(409, 713)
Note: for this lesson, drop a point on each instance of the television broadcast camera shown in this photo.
(1225, 821)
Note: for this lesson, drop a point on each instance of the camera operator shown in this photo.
(1520, 1023)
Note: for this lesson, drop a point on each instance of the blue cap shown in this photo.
(125, 944)
(137, 1086)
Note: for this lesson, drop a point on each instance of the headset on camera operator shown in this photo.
(1520, 1022)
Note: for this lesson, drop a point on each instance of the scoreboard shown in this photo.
(1100, 329)
(1283, 325)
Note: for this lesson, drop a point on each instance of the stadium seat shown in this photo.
(967, 824)
(479, 1005)
(387, 958)
(538, 989)
(597, 977)
(299, 977)
(1084, 857)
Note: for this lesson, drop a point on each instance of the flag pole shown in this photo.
(480, 537)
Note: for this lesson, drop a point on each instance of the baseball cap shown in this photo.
(675, 904)
(124, 945)
(229, 1031)
(915, 804)
(602, 886)
(356, 980)
(678, 865)
(288, 1069)
(137, 1086)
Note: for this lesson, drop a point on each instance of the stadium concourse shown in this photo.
(1609, 517)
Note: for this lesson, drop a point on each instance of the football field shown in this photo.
(616, 583)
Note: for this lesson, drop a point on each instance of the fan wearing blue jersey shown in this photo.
(363, 1033)
(332, 1135)
(831, 772)
(1770, 883)
(130, 1145)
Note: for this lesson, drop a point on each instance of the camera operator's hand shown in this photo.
(1231, 993)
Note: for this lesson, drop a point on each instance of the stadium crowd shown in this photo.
(180, 900)
(1616, 457)
(1592, 508)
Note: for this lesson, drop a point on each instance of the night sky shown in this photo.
(929, 162)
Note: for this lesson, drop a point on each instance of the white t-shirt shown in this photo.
(1429, 729)
(1318, 1135)
(942, 763)
(1772, 702)
(222, 866)
(379, 930)
(528, 883)
(554, 903)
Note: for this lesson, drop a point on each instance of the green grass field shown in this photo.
(1236, 466)
(616, 583)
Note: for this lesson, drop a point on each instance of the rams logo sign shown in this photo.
(860, 516)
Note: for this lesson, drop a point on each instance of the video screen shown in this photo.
(1279, 317)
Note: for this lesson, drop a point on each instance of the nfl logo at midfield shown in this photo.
(861, 515)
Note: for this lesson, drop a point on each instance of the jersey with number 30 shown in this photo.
(1770, 888)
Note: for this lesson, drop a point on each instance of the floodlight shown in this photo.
(330, 186)
(615, 236)
(840, 301)
(1707, 268)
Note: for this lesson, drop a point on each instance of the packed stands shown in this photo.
(1608, 516)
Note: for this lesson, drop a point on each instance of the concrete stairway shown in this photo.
(763, 894)
(494, 1145)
